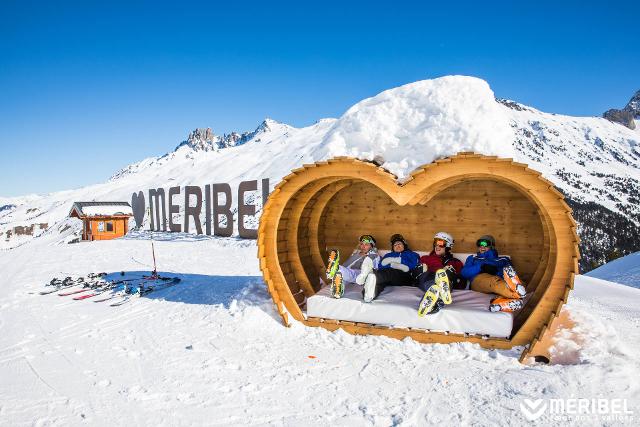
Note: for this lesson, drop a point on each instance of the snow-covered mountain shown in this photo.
(595, 162)
(629, 115)
(625, 270)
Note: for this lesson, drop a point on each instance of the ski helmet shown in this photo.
(398, 238)
(486, 240)
(444, 237)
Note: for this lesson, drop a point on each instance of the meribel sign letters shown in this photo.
(217, 200)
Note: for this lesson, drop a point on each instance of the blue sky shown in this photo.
(86, 89)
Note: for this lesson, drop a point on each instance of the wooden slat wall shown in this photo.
(466, 210)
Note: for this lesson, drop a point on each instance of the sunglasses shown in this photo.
(483, 243)
(439, 243)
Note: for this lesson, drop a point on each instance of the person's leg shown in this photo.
(379, 279)
(490, 284)
(348, 274)
(365, 270)
(425, 280)
(395, 277)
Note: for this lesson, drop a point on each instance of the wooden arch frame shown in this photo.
(295, 209)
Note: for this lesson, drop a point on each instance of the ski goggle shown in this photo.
(439, 243)
(366, 238)
(483, 243)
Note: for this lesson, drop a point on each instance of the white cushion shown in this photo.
(397, 306)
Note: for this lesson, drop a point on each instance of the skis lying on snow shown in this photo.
(75, 291)
(145, 289)
(124, 289)
(111, 286)
(56, 285)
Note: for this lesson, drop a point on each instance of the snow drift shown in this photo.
(420, 122)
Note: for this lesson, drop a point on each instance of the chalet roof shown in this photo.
(100, 209)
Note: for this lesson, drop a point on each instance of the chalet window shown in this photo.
(110, 226)
(100, 225)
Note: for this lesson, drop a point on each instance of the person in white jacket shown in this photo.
(348, 272)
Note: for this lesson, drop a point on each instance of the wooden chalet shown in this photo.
(102, 220)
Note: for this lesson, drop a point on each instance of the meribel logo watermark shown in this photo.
(575, 409)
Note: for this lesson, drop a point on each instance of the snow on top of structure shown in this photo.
(420, 122)
(103, 208)
(625, 270)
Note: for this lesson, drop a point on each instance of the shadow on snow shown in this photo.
(202, 289)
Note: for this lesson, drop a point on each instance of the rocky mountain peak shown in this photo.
(627, 115)
(202, 139)
(633, 106)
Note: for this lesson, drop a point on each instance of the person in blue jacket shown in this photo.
(394, 269)
(486, 270)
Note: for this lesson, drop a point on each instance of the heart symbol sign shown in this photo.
(329, 204)
(138, 207)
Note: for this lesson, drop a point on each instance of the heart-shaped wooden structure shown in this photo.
(329, 204)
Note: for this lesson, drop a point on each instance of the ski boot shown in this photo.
(365, 269)
(436, 308)
(508, 305)
(337, 285)
(429, 300)
(371, 289)
(513, 281)
(443, 280)
(332, 263)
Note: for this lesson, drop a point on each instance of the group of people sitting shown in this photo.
(436, 274)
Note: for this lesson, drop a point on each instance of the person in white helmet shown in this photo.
(438, 274)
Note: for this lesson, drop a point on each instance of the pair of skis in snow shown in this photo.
(124, 288)
(95, 280)
(141, 290)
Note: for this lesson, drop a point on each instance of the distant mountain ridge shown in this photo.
(203, 139)
(594, 162)
(628, 115)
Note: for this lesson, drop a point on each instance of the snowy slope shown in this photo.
(590, 159)
(625, 270)
(212, 351)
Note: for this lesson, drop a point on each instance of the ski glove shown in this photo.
(389, 260)
(399, 266)
(489, 269)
